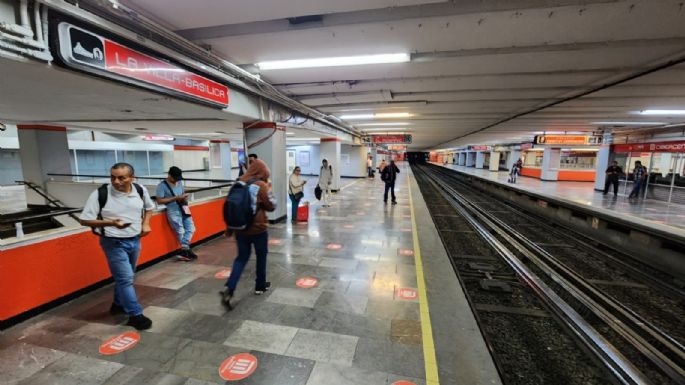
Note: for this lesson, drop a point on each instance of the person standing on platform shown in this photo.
(255, 234)
(120, 213)
(250, 158)
(612, 174)
(325, 180)
(639, 179)
(296, 193)
(170, 193)
(389, 176)
(369, 166)
(382, 166)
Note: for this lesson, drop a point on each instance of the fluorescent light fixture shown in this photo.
(334, 61)
(290, 133)
(382, 124)
(662, 112)
(385, 129)
(630, 123)
(385, 115)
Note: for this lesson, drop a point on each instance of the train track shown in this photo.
(629, 322)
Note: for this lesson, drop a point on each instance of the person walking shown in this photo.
(170, 193)
(389, 176)
(325, 180)
(296, 193)
(382, 166)
(515, 171)
(256, 233)
(639, 178)
(120, 212)
(612, 174)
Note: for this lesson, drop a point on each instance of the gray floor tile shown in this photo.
(22, 360)
(130, 375)
(152, 352)
(281, 370)
(323, 346)
(265, 337)
(390, 357)
(165, 319)
(339, 263)
(205, 327)
(74, 370)
(342, 303)
(326, 374)
(206, 303)
(200, 360)
(392, 378)
(297, 297)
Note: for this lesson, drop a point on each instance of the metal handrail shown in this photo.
(50, 214)
(146, 177)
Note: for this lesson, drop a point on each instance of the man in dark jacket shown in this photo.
(613, 173)
(389, 176)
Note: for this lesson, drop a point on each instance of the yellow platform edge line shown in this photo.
(431, 363)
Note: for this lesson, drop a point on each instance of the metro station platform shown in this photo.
(669, 218)
(385, 307)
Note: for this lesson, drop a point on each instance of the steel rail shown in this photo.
(620, 320)
(621, 368)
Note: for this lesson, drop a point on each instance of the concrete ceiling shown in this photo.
(479, 69)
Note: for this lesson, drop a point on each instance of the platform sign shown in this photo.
(568, 140)
(223, 274)
(676, 146)
(390, 139)
(306, 282)
(120, 343)
(407, 293)
(85, 50)
(238, 367)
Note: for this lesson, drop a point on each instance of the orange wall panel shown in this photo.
(38, 273)
(578, 176)
(532, 172)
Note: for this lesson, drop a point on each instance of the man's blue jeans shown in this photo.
(184, 227)
(637, 185)
(122, 257)
(261, 248)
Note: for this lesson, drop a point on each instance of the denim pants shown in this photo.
(636, 189)
(391, 187)
(245, 242)
(295, 203)
(122, 257)
(184, 227)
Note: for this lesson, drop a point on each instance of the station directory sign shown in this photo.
(568, 140)
(88, 51)
(389, 139)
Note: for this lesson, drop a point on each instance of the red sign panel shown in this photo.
(120, 343)
(480, 148)
(238, 367)
(678, 146)
(391, 139)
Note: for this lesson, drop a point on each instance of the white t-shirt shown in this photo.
(127, 207)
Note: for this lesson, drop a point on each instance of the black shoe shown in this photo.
(394, 202)
(116, 309)
(226, 296)
(385, 202)
(191, 254)
(140, 322)
(262, 290)
(183, 256)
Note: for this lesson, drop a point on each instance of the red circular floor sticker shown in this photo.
(403, 383)
(223, 274)
(334, 246)
(407, 293)
(348, 226)
(238, 367)
(307, 282)
(275, 241)
(406, 252)
(120, 343)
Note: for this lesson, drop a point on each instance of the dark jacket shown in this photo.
(389, 173)
(613, 172)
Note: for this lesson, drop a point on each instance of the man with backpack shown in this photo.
(170, 193)
(389, 176)
(120, 212)
(245, 215)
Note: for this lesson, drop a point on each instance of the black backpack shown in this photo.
(238, 213)
(102, 201)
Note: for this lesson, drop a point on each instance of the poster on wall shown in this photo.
(234, 159)
(303, 158)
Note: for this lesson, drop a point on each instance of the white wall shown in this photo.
(314, 158)
(190, 160)
(356, 155)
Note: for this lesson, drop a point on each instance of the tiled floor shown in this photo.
(669, 217)
(352, 328)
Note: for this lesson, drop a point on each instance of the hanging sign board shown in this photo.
(480, 148)
(390, 139)
(85, 50)
(677, 146)
(568, 140)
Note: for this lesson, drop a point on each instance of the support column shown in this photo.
(43, 150)
(494, 160)
(480, 159)
(462, 159)
(602, 162)
(550, 164)
(470, 159)
(267, 141)
(357, 166)
(330, 150)
(224, 153)
(514, 156)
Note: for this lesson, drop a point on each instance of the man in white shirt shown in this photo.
(120, 222)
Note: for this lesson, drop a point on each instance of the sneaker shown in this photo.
(260, 291)
(394, 202)
(191, 254)
(183, 256)
(116, 309)
(226, 296)
(140, 322)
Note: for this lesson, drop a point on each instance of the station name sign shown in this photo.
(480, 148)
(678, 146)
(91, 52)
(390, 139)
(569, 140)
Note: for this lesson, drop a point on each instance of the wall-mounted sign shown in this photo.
(397, 148)
(678, 146)
(569, 140)
(390, 139)
(152, 137)
(480, 148)
(85, 50)
(526, 146)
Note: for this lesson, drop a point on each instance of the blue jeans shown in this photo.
(261, 248)
(636, 189)
(122, 257)
(184, 227)
(391, 187)
(295, 203)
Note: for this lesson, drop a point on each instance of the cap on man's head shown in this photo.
(175, 173)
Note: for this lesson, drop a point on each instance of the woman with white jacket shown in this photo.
(296, 184)
(325, 179)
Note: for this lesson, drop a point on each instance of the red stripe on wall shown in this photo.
(259, 125)
(40, 127)
(331, 140)
(191, 148)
